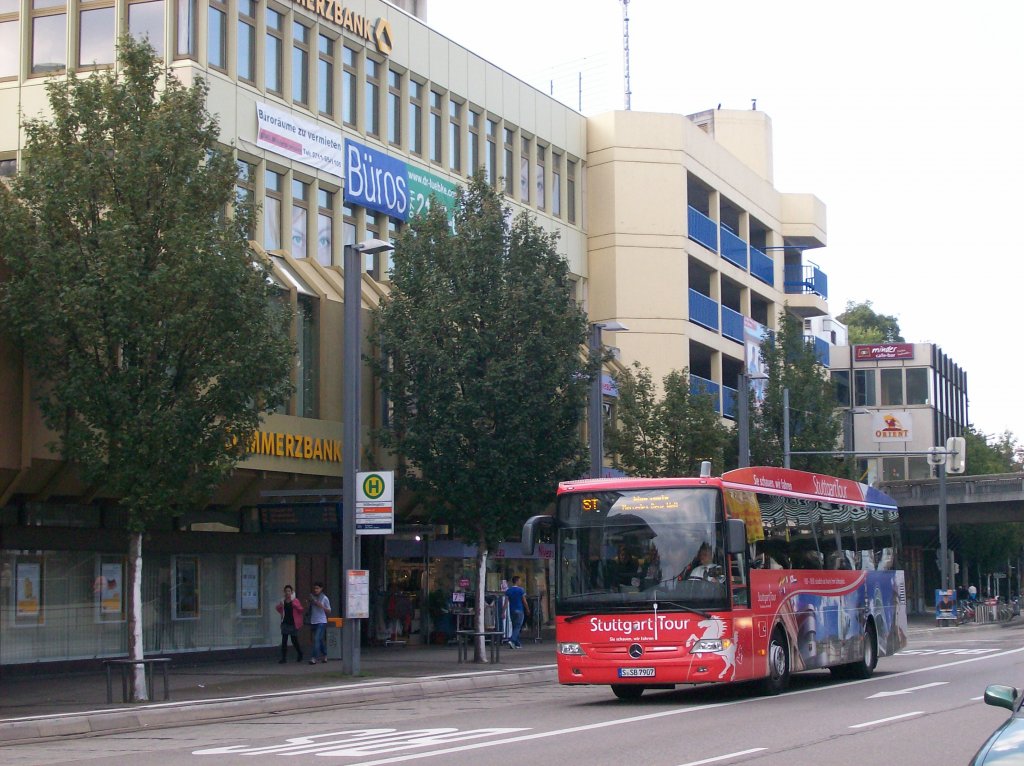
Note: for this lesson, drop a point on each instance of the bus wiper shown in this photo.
(604, 610)
(684, 607)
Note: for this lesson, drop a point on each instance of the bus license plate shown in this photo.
(636, 672)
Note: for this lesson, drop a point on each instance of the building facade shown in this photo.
(669, 224)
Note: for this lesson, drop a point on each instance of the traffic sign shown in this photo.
(375, 503)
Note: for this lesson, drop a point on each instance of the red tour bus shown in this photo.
(752, 576)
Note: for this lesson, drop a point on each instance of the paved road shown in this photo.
(921, 709)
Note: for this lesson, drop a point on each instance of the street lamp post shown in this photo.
(352, 395)
(743, 414)
(595, 414)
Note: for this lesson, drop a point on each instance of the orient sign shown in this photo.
(884, 351)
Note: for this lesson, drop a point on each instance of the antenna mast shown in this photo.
(625, 50)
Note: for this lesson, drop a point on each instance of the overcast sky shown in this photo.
(905, 118)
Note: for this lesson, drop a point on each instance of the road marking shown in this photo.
(933, 652)
(886, 720)
(667, 713)
(723, 757)
(911, 690)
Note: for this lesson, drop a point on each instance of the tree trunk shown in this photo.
(480, 649)
(135, 648)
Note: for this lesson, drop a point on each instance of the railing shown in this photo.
(729, 402)
(732, 324)
(821, 349)
(734, 249)
(801, 279)
(703, 387)
(762, 267)
(702, 229)
(703, 310)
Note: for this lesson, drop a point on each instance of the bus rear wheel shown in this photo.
(627, 691)
(778, 664)
(865, 666)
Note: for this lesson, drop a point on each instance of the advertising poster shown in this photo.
(185, 599)
(283, 133)
(249, 587)
(28, 593)
(111, 590)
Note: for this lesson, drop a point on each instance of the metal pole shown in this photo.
(943, 549)
(595, 416)
(785, 428)
(351, 372)
(743, 419)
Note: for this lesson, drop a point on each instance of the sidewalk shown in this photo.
(40, 705)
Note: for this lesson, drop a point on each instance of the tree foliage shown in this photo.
(137, 302)
(791, 363)
(865, 325)
(666, 437)
(479, 353)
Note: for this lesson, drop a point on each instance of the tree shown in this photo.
(150, 327)
(865, 325)
(664, 438)
(791, 363)
(479, 353)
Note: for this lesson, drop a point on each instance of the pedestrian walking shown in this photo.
(517, 609)
(319, 609)
(290, 609)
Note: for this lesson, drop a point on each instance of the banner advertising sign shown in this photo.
(884, 351)
(753, 335)
(283, 133)
(388, 185)
(892, 426)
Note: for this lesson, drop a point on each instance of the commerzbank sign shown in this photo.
(376, 32)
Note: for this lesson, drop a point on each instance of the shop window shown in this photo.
(217, 36)
(917, 385)
(325, 75)
(49, 36)
(185, 29)
(246, 53)
(349, 92)
(146, 22)
(892, 386)
(185, 589)
(274, 52)
(918, 468)
(893, 469)
(96, 36)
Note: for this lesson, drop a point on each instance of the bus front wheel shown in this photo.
(778, 664)
(627, 691)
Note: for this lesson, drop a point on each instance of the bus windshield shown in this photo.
(629, 548)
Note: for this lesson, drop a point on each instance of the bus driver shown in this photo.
(705, 569)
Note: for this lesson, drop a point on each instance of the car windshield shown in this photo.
(630, 548)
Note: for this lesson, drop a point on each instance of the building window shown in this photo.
(892, 387)
(394, 108)
(541, 200)
(300, 219)
(325, 75)
(49, 36)
(9, 42)
(8, 167)
(146, 22)
(864, 388)
(245, 186)
(556, 184)
(394, 229)
(524, 170)
(373, 222)
(185, 29)
(306, 348)
(893, 469)
(455, 136)
(274, 52)
(415, 117)
(570, 191)
(436, 134)
(917, 385)
(324, 226)
(272, 203)
(510, 137)
(841, 387)
(474, 143)
(491, 158)
(348, 86)
(372, 97)
(348, 226)
(300, 63)
(217, 36)
(246, 57)
(918, 468)
(96, 36)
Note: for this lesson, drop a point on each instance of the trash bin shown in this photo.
(334, 637)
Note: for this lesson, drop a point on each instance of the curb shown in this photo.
(168, 714)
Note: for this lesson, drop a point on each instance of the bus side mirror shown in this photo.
(735, 536)
(531, 531)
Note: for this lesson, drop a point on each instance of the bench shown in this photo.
(148, 664)
(467, 639)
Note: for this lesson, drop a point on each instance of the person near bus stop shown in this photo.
(517, 609)
(290, 609)
(319, 609)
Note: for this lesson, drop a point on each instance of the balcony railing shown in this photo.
(703, 310)
(801, 279)
(732, 324)
(734, 249)
(762, 267)
(702, 229)
(702, 386)
(821, 349)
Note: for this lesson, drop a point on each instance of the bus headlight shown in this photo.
(711, 645)
(570, 647)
